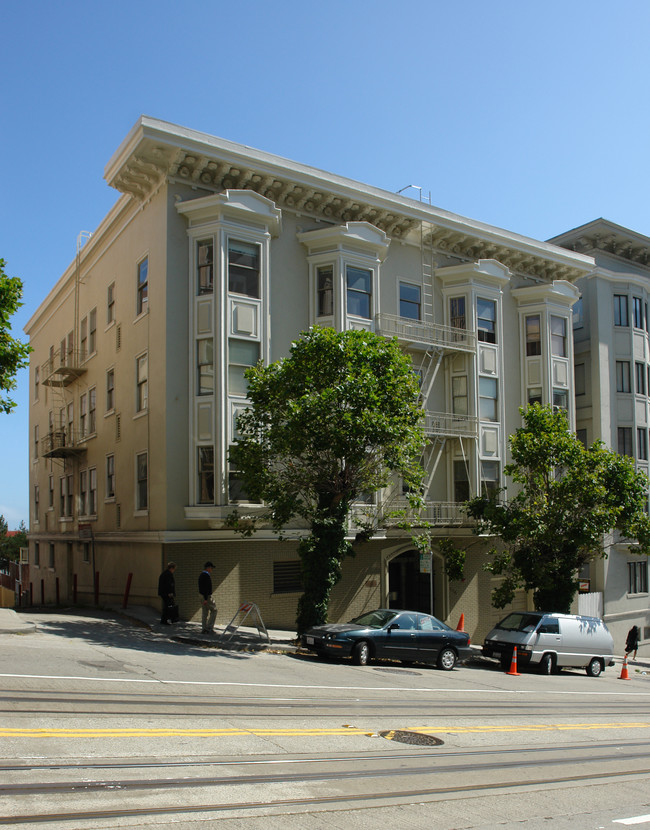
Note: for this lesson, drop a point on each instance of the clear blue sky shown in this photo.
(532, 116)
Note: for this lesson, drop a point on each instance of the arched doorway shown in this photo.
(408, 587)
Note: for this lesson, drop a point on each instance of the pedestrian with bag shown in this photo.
(209, 607)
(632, 642)
(167, 594)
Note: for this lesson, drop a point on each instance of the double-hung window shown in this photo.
(459, 398)
(457, 316)
(243, 268)
(206, 475)
(110, 476)
(560, 398)
(66, 494)
(83, 338)
(325, 291)
(642, 443)
(637, 312)
(141, 481)
(83, 493)
(358, 291)
(205, 365)
(92, 491)
(142, 287)
(92, 331)
(205, 266)
(409, 301)
(533, 335)
(110, 390)
(621, 310)
(637, 577)
(486, 318)
(83, 416)
(488, 399)
(142, 382)
(461, 481)
(640, 376)
(624, 435)
(558, 336)
(110, 304)
(242, 354)
(92, 411)
(623, 381)
(489, 478)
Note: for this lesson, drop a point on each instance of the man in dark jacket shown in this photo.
(208, 608)
(167, 593)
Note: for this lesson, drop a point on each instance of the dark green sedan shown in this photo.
(387, 633)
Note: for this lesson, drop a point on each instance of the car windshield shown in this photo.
(519, 621)
(374, 619)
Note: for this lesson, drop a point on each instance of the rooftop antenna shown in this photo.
(419, 189)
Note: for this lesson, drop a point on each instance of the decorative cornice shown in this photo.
(156, 150)
(602, 235)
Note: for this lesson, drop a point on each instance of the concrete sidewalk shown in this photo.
(245, 638)
(13, 623)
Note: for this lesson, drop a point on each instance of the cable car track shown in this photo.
(311, 802)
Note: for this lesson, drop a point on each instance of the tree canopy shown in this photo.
(10, 545)
(14, 355)
(567, 498)
(326, 427)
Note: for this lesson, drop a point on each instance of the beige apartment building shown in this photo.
(215, 256)
(611, 332)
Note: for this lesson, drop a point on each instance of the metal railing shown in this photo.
(60, 443)
(63, 367)
(437, 513)
(449, 424)
(426, 334)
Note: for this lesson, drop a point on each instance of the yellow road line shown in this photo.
(536, 727)
(10, 732)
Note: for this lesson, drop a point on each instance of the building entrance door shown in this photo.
(407, 587)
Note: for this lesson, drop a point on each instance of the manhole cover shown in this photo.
(400, 671)
(413, 738)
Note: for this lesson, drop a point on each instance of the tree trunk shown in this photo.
(321, 555)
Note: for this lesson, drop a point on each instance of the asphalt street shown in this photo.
(112, 722)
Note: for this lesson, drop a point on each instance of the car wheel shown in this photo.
(547, 664)
(447, 659)
(361, 654)
(595, 667)
(506, 661)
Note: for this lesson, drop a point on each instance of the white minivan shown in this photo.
(551, 642)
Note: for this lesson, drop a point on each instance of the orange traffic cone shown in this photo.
(513, 665)
(624, 672)
(461, 623)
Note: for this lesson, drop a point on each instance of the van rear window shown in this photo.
(519, 621)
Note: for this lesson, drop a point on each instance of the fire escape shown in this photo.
(431, 344)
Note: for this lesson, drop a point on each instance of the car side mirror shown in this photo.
(393, 626)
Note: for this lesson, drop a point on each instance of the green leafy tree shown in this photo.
(568, 498)
(14, 355)
(10, 545)
(326, 427)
